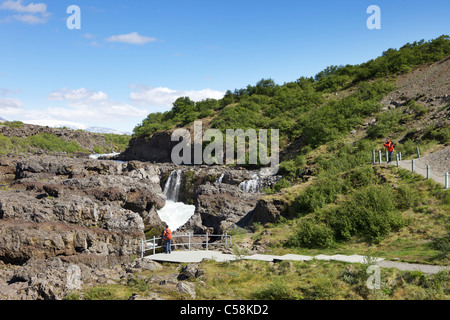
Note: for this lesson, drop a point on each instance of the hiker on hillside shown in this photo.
(167, 236)
(390, 146)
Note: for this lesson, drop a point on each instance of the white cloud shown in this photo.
(30, 19)
(165, 97)
(19, 7)
(81, 95)
(6, 91)
(31, 13)
(131, 38)
(88, 105)
(10, 106)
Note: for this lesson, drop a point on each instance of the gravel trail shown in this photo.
(439, 163)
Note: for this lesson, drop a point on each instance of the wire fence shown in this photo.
(413, 165)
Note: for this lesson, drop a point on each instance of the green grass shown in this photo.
(260, 280)
(43, 141)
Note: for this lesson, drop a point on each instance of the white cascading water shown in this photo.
(219, 180)
(175, 213)
(172, 187)
(251, 186)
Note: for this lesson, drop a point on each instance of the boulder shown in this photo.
(187, 288)
(218, 203)
(266, 210)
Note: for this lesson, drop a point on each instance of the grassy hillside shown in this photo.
(17, 137)
(338, 202)
(316, 110)
(348, 204)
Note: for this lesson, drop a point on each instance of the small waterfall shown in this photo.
(175, 213)
(172, 187)
(219, 180)
(251, 186)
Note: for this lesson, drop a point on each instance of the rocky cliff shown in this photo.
(82, 211)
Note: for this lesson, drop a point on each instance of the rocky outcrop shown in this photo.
(71, 207)
(267, 210)
(22, 240)
(56, 278)
(219, 207)
(157, 148)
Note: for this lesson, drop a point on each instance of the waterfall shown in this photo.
(172, 187)
(252, 185)
(219, 180)
(175, 214)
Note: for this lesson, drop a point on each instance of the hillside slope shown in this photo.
(17, 137)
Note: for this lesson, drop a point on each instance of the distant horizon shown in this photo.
(130, 59)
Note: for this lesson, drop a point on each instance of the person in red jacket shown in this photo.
(167, 236)
(390, 148)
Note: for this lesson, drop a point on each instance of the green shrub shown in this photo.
(440, 134)
(407, 198)
(386, 123)
(120, 141)
(311, 234)
(371, 212)
(282, 184)
(277, 290)
(53, 143)
(416, 108)
(322, 192)
(13, 124)
(443, 246)
(362, 176)
(5, 144)
(407, 148)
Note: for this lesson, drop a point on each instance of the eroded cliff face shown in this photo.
(71, 206)
(157, 148)
(66, 213)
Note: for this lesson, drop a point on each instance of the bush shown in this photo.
(371, 213)
(282, 184)
(440, 134)
(278, 290)
(13, 124)
(53, 143)
(386, 123)
(322, 192)
(362, 176)
(312, 234)
(407, 198)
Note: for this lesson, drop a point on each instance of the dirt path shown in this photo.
(439, 163)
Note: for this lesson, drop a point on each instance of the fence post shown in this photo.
(418, 152)
(412, 165)
(428, 172)
(397, 157)
(379, 156)
(226, 240)
(387, 156)
(206, 240)
(154, 245)
(400, 154)
(446, 180)
(189, 235)
(142, 248)
(373, 156)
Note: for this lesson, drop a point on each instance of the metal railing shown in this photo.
(414, 165)
(203, 240)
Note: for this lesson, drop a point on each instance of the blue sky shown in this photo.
(131, 58)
